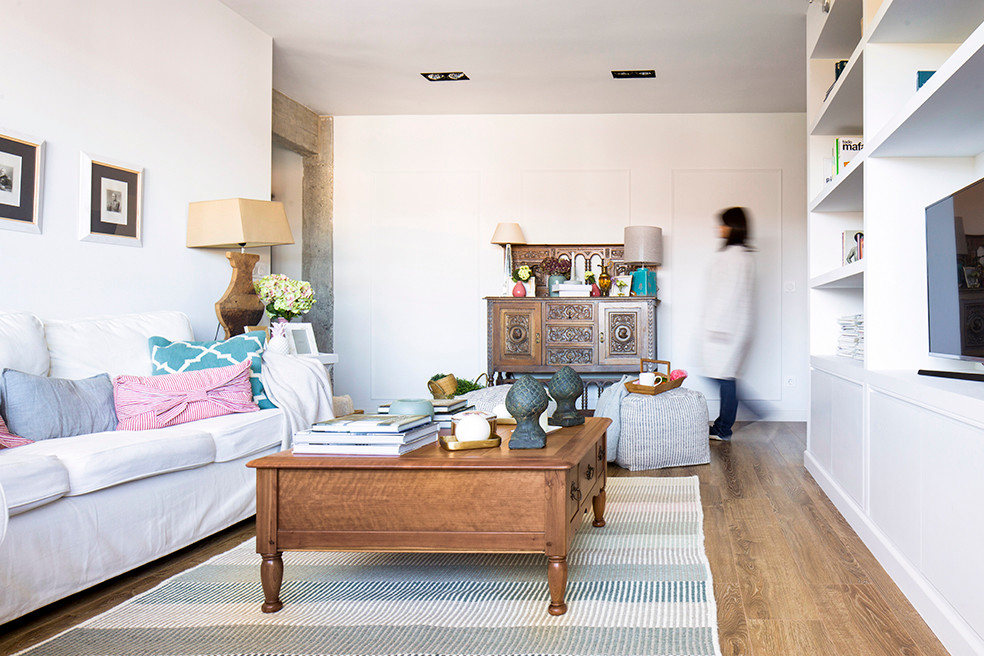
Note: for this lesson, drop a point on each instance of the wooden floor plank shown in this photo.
(859, 621)
(732, 625)
(770, 580)
(790, 637)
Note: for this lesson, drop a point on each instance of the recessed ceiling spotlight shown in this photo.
(621, 75)
(454, 76)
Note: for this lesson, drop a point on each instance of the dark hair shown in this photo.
(735, 218)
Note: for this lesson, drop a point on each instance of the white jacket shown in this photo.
(729, 311)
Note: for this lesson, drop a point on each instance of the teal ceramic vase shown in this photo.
(526, 401)
(566, 387)
(552, 280)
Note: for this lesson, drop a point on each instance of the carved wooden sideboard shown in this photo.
(592, 335)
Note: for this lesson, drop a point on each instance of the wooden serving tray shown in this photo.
(635, 388)
(449, 443)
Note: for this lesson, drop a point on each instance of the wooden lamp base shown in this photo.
(240, 306)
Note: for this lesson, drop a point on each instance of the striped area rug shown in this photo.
(639, 586)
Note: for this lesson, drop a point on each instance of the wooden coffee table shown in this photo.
(483, 500)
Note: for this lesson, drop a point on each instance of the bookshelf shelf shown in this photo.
(845, 193)
(842, 111)
(942, 119)
(837, 36)
(918, 21)
(849, 276)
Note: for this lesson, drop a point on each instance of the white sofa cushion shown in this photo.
(30, 480)
(102, 460)
(22, 345)
(116, 345)
(244, 434)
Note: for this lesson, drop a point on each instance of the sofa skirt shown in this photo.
(73, 543)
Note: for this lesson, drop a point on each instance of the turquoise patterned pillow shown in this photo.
(170, 357)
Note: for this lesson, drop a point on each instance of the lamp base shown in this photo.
(240, 306)
(644, 282)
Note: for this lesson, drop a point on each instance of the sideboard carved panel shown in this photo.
(594, 336)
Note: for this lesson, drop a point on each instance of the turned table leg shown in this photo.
(272, 576)
(557, 580)
(598, 504)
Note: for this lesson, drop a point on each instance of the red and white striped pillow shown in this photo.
(8, 440)
(144, 402)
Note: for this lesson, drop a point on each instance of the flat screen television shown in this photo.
(954, 253)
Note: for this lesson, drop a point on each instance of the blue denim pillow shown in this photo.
(41, 408)
(169, 357)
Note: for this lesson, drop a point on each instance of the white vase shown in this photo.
(278, 338)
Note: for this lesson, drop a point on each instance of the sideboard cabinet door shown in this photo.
(516, 334)
(624, 333)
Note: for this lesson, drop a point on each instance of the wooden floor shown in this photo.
(790, 576)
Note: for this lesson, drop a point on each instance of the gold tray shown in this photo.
(449, 443)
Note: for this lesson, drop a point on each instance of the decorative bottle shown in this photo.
(604, 280)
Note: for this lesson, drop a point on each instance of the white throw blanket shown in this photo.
(610, 405)
(300, 387)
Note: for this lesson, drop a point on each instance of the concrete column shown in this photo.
(299, 129)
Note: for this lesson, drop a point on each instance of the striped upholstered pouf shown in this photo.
(665, 430)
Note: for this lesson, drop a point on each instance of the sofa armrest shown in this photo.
(4, 514)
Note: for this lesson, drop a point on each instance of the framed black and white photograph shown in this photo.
(301, 338)
(21, 169)
(110, 200)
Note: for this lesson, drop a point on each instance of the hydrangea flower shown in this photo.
(283, 296)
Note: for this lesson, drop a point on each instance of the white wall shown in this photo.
(182, 89)
(287, 186)
(417, 199)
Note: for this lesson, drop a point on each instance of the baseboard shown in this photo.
(957, 636)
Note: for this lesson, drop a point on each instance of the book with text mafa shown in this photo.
(371, 423)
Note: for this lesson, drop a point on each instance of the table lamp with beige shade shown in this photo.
(507, 234)
(643, 246)
(242, 223)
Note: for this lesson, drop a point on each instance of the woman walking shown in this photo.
(728, 316)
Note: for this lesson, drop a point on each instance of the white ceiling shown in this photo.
(360, 57)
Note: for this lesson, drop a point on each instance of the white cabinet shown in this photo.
(836, 437)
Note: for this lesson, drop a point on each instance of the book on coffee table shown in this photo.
(441, 406)
(379, 423)
(354, 449)
(405, 437)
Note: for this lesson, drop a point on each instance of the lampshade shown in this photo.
(242, 223)
(643, 245)
(236, 222)
(508, 233)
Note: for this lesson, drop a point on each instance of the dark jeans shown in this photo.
(729, 407)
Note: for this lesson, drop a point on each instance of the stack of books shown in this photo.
(443, 410)
(366, 435)
(850, 343)
(572, 289)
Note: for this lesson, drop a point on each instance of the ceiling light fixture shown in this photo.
(454, 76)
(622, 75)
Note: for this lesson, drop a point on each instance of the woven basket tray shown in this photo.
(666, 385)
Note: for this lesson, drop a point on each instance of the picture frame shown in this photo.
(110, 201)
(972, 276)
(21, 175)
(301, 338)
(621, 291)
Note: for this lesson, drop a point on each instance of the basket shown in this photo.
(664, 384)
(443, 388)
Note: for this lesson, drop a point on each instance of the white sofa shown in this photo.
(76, 511)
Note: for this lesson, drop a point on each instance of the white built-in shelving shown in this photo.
(898, 453)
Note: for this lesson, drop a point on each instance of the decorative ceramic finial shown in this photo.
(565, 387)
(526, 401)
